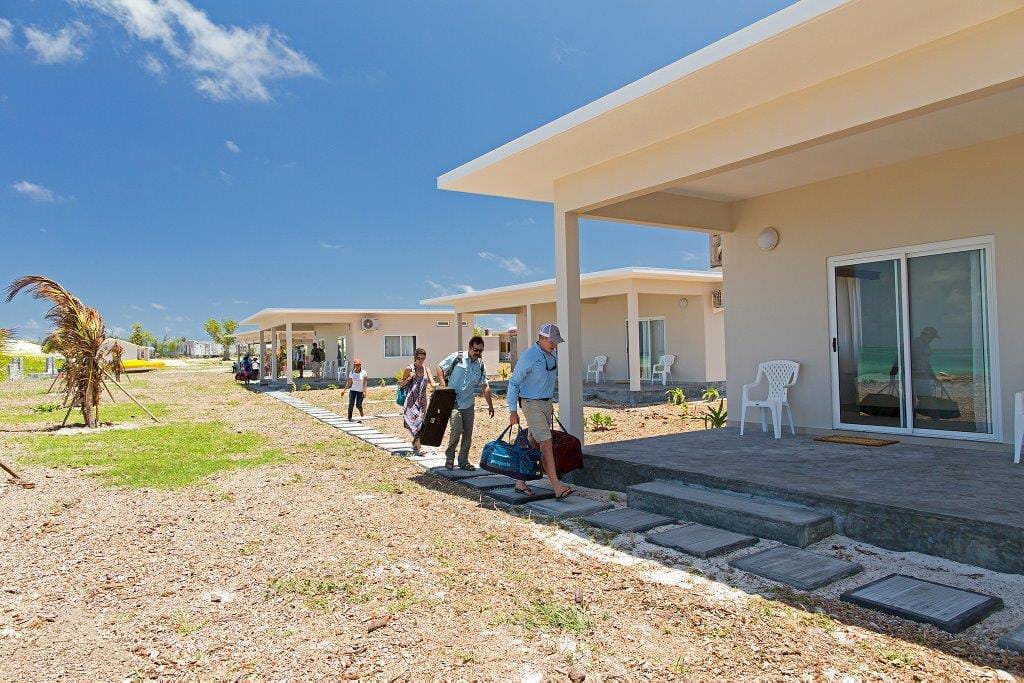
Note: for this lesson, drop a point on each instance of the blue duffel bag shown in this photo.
(511, 458)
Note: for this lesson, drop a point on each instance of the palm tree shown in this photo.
(78, 335)
(5, 335)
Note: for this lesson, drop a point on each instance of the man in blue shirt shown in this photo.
(532, 388)
(464, 375)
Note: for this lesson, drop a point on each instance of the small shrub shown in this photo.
(600, 422)
(504, 372)
(305, 387)
(47, 407)
(332, 386)
(549, 616)
(399, 374)
(716, 417)
(676, 396)
(382, 382)
(710, 394)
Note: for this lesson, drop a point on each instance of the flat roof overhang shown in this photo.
(876, 74)
(304, 318)
(593, 286)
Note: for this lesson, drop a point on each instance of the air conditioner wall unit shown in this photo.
(369, 324)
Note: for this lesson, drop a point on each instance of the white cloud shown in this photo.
(159, 307)
(35, 192)
(28, 325)
(177, 319)
(232, 146)
(510, 263)
(239, 301)
(328, 245)
(66, 45)
(520, 222)
(689, 256)
(561, 51)
(444, 290)
(229, 62)
(117, 331)
(6, 32)
(226, 177)
(153, 65)
(135, 307)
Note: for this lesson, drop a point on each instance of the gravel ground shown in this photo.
(350, 564)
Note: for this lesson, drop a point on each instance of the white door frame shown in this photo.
(986, 244)
(664, 338)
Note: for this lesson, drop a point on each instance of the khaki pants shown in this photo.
(461, 426)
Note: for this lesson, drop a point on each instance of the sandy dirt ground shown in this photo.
(350, 564)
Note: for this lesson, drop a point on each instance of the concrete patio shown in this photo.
(958, 503)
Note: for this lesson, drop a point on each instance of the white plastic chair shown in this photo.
(596, 368)
(342, 369)
(1018, 424)
(780, 376)
(664, 368)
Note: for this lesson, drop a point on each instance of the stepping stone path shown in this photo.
(566, 508)
(512, 497)
(454, 474)
(702, 541)
(951, 609)
(490, 481)
(626, 520)
(795, 567)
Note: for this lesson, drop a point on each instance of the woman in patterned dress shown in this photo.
(415, 381)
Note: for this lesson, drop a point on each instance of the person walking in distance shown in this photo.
(357, 383)
(532, 388)
(464, 375)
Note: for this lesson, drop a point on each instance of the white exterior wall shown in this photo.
(694, 335)
(369, 346)
(777, 301)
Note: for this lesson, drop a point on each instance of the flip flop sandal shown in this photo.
(527, 491)
(469, 467)
(565, 494)
(449, 466)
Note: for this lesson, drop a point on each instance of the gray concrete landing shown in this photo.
(795, 567)
(626, 520)
(456, 473)
(950, 609)
(959, 503)
(1014, 640)
(702, 541)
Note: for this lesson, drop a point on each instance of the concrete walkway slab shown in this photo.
(950, 609)
(489, 481)
(795, 567)
(512, 497)
(567, 508)
(456, 473)
(1014, 640)
(701, 541)
(626, 520)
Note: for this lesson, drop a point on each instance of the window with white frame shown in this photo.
(399, 346)
(444, 323)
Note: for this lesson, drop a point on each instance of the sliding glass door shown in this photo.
(652, 344)
(911, 341)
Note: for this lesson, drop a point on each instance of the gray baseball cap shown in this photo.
(550, 330)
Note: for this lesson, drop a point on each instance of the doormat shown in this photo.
(857, 440)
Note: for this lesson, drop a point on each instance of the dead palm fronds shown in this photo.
(78, 335)
(5, 336)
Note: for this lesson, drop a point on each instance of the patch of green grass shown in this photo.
(185, 624)
(403, 598)
(320, 603)
(897, 659)
(162, 457)
(380, 487)
(250, 548)
(54, 413)
(306, 585)
(551, 616)
(820, 620)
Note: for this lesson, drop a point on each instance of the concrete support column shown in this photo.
(275, 347)
(633, 335)
(460, 337)
(263, 356)
(529, 335)
(567, 306)
(290, 347)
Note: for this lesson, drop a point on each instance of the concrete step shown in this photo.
(761, 517)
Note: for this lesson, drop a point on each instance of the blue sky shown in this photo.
(169, 160)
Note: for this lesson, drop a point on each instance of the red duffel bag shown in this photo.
(567, 449)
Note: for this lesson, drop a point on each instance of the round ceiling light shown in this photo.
(768, 239)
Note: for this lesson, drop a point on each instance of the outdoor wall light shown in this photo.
(683, 303)
(768, 239)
